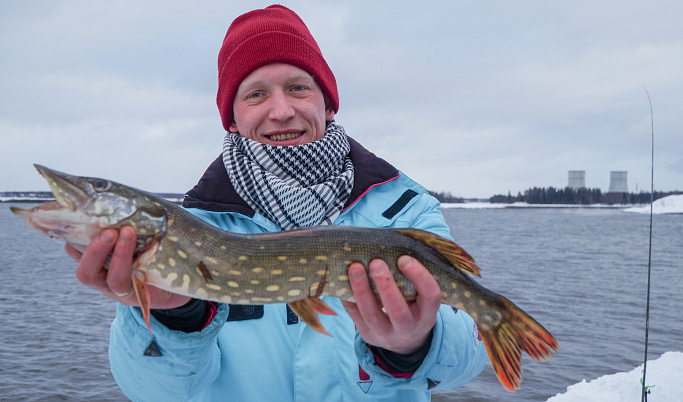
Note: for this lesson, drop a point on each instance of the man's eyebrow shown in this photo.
(248, 85)
(303, 75)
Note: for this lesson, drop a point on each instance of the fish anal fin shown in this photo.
(447, 248)
(142, 293)
(319, 306)
(505, 342)
(307, 310)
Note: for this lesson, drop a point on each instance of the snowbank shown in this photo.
(664, 376)
(672, 204)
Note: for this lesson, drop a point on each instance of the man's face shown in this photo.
(280, 104)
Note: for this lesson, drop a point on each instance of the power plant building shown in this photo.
(617, 182)
(577, 179)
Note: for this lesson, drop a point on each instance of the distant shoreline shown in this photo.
(178, 198)
(667, 205)
(672, 204)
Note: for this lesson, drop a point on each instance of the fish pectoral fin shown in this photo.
(142, 293)
(307, 310)
(448, 249)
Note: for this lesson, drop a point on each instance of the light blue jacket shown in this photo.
(266, 359)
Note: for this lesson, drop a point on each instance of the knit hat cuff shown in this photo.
(272, 47)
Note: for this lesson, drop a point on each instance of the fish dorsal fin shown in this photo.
(448, 249)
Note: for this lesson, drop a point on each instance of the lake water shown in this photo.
(582, 273)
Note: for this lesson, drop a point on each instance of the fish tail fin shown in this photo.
(458, 257)
(142, 293)
(516, 333)
(307, 310)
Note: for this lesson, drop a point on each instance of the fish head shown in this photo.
(84, 206)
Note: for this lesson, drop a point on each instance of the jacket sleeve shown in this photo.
(457, 354)
(167, 365)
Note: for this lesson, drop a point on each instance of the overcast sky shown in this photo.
(476, 98)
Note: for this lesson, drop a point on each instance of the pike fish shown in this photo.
(182, 254)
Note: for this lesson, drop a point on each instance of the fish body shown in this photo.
(182, 254)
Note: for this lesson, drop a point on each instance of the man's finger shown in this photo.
(72, 252)
(394, 302)
(366, 301)
(89, 270)
(426, 286)
(120, 265)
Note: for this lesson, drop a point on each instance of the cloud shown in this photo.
(472, 98)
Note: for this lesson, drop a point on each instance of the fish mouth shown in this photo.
(69, 192)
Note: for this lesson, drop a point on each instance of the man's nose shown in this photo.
(281, 106)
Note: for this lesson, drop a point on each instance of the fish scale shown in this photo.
(182, 254)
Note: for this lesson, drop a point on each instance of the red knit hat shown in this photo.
(260, 37)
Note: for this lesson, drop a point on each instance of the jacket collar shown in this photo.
(214, 192)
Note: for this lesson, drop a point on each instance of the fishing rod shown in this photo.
(645, 390)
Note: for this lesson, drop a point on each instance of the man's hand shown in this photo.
(402, 327)
(115, 283)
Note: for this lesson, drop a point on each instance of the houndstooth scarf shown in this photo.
(293, 186)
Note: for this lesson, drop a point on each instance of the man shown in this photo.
(286, 164)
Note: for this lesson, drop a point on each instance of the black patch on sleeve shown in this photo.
(292, 318)
(153, 350)
(402, 201)
(432, 384)
(243, 312)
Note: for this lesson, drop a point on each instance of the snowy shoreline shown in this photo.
(672, 204)
(663, 375)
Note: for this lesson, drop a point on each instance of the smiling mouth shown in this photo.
(285, 136)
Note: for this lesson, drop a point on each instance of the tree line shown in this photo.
(585, 196)
(446, 197)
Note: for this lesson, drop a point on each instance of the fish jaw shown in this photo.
(68, 192)
(57, 221)
(83, 206)
(103, 200)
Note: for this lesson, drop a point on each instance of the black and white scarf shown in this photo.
(293, 186)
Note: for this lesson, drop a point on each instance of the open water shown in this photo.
(582, 273)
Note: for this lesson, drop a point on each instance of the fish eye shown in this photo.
(101, 184)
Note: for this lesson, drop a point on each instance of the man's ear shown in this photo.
(329, 110)
(329, 114)
(233, 127)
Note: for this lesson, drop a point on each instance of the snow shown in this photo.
(664, 376)
(672, 204)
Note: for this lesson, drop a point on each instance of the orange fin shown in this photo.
(448, 249)
(319, 306)
(306, 310)
(516, 333)
(142, 293)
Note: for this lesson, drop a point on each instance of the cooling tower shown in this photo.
(617, 182)
(577, 179)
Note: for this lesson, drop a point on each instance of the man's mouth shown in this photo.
(285, 136)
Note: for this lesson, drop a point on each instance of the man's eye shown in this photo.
(254, 95)
(297, 88)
